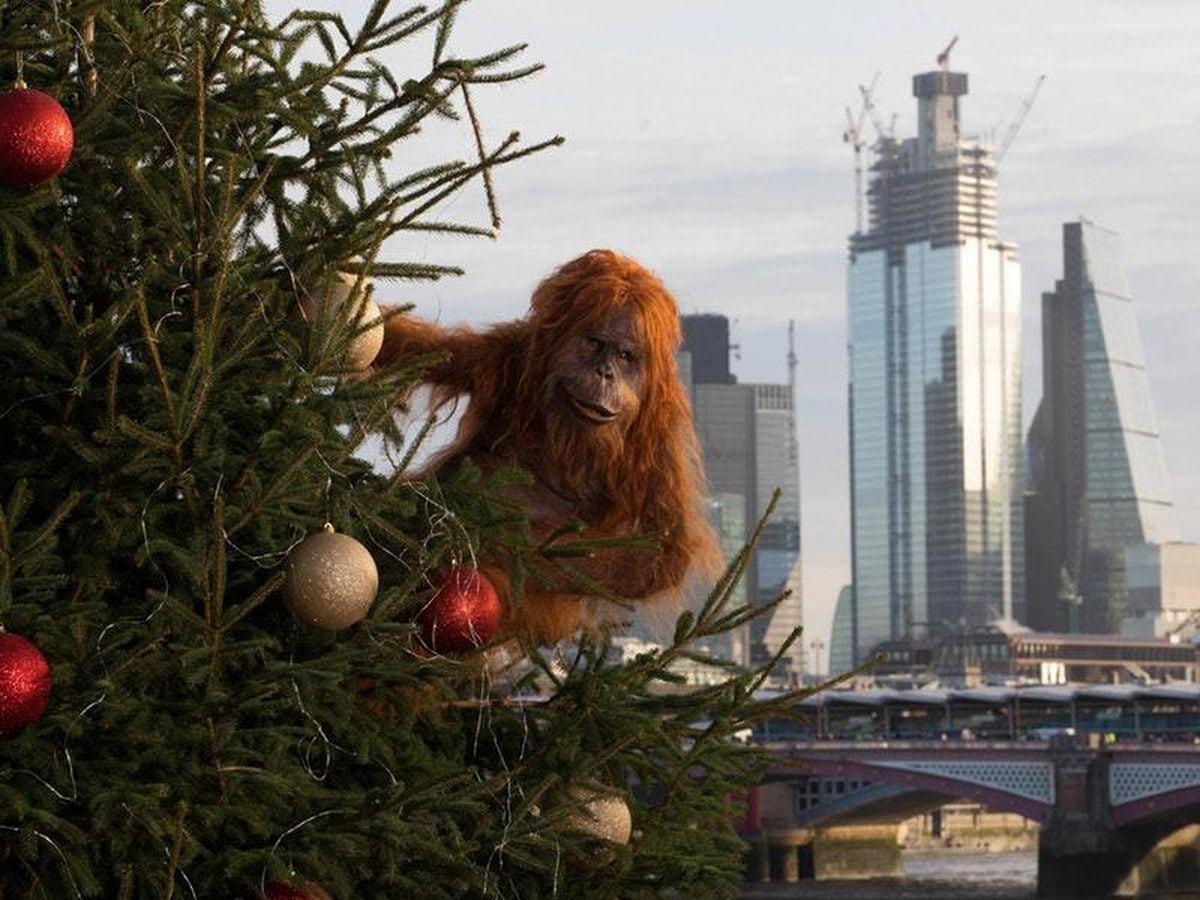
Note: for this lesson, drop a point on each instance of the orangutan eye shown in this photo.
(628, 356)
(595, 343)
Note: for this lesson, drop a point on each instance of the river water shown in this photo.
(932, 876)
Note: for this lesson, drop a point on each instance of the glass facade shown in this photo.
(1098, 477)
(841, 639)
(748, 444)
(724, 418)
(727, 514)
(777, 559)
(934, 324)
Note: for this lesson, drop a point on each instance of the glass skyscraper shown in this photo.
(777, 560)
(747, 439)
(1098, 480)
(934, 321)
(841, 649)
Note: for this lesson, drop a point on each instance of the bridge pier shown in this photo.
(1088, 862)
(785, 863)
(781, 851)
(852, 852)
(1083, 853)
(1120, 863)
(836, 854)
(1080, 851)
(758, 861)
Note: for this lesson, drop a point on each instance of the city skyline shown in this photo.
(708, 144)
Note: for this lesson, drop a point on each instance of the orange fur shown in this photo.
(645, 478)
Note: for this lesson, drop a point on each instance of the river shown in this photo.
(932, 876)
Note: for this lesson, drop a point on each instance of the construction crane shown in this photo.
(854, 137)
(1192, 620)
(1019, 120)
(868, 101)
(943, 58)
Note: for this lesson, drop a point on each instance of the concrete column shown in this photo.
(758, 861)
(785, 863)
(856, 851)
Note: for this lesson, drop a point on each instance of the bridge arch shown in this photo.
(1022, 785)
(1156, 784)
(1183, 804)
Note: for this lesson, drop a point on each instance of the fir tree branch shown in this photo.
(160, 372)
(487, 171)
(176, 849)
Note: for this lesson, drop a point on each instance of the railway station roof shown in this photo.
(997, 696)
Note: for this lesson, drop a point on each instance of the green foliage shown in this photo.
(170, 429)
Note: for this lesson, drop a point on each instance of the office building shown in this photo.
(747, 440)
(841, 637)
(1162, 584)
(1097, 478)
(934, 322)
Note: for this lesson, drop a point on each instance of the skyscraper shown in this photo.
(841, 643)
(935, 386)
(747, 439)
(1098, 480)
(777, 556)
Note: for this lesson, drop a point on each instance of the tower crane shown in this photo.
(854, 137)
(1018, 120)
(868, 101)
(943, 58)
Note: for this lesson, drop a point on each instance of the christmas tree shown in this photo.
(197, 204)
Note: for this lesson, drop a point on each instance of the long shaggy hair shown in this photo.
(649, 476)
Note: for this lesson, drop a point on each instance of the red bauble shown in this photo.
(36, 138)
(24, 683)
(464, 613)
(278, 890)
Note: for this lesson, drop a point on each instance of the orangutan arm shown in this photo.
(465, 350)
(632, 574)
(557, 601)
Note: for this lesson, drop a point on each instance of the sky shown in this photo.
(704, 138)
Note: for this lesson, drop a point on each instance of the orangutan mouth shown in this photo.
(593, 412)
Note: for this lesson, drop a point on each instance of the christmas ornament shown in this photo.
(600, 814)
(24, 683)
(36, 137)
(464, 613)
(307, 890)
(331, 580)
(336, 292)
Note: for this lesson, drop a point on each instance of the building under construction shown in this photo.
(934, 322)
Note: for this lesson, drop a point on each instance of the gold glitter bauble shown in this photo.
(600, 814)
(331, 580)
(337, 291)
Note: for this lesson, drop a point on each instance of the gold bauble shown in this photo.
(336, 292)
(599, 813)
(331, 580)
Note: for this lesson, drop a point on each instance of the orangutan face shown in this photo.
(601, 373)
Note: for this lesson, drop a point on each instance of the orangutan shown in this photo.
(583, 393)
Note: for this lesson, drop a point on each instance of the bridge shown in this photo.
(1116, 818)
